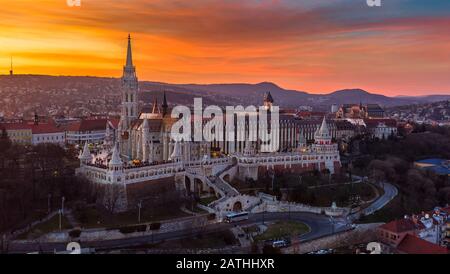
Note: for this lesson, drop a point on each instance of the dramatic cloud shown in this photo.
(313, 45)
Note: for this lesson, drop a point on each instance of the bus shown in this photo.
(280, 243)
(236, 217)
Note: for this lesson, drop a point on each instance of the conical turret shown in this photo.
(322, 134)
(86, 156)
(115, 158)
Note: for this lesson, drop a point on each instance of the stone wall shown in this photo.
(149, 189)
(363, 233)
(277, 206)
(90, 235)
(228, 205)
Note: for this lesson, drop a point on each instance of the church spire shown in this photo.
(155, 109)
(11, 71)
(164, 105)
(129, 71)
(129, 62)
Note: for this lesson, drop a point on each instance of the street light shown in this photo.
(139, 211)
(48, 203)
(60, 220)
(332, 224)
(289, 211)
(62, 204)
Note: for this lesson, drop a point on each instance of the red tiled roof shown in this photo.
(40, 128)
(45, 128)
(376, 122)
(413, 245)
(14, 126)
(310, 113)
(114, 122)
(399, 226)
(88, 125)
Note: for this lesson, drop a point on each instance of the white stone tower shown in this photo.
(145, 140)
(86, 156)
(115, 166)
(129, 111)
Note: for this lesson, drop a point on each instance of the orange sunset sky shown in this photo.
(318, 46)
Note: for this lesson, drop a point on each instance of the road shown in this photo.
(390, 191)
(320, 226)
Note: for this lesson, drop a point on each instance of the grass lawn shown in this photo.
(388, 213)
(51, 225)
(93, 218)
(340, 193)
(283, 229)
(210, 240)
(206, 201)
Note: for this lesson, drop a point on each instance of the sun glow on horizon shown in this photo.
(316, 48)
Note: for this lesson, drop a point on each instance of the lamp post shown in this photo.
(139, 211)
(332, 224)
(49, 197)
(62, 204)
(289, 211)
(60, 226)
(273, 179)
(264, 212)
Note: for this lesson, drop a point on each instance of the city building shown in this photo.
(411, 244)
(381, 128)
(419, 233)
(91, 130)
(141, 157)
(34, 132)
(47, 133)
(18, 132)
(355, 111)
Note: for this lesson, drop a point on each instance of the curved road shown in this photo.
(390, 191)
(320, 225)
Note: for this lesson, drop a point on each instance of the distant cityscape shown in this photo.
(92, 160)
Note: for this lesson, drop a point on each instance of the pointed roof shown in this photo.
(155, 109)
(164, 104)
(324, 126)
(129, 62)
(268, 97)
(86, 155)
(115, 158)
(323, 131)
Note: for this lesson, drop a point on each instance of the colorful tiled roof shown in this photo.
(399, 226)
(414, 245)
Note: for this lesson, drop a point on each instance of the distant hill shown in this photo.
(253, 93)
(58, 93)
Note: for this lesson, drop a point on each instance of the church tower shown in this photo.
(11, 71)
(130, 110)
(268, 101)
(165, 106)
